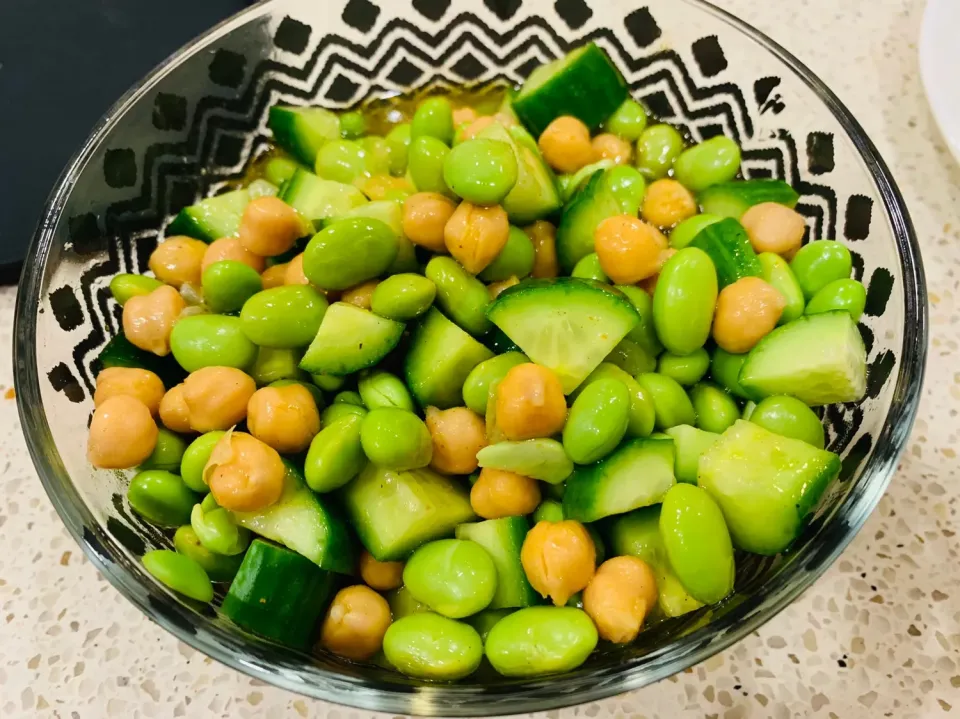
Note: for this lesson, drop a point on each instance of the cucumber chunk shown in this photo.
(318, 199)
(302, 131)
(503, 539)
(766, 484)
(819, 359)
(690, 444)
(729, 247)
(350, 339)
(212, 218)
(542, 459)
(120, 352)
(732, 199)
(637, 474)
(568, 325)
(589, 207)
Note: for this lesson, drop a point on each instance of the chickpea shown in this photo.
(559, 559)
(667, 203)
(355, 623)
(383, 187)
(650, 284)
(361, 295)
(530, 403)
(243, 473)
(746, 311)
(566, 145)
(477, 126)
(610, 147)
(295, 274)
(495, 288)
(457, 434)
(122, 433)
(629, 249)
(618, 598)
(463, 115)
(475, 235)
(130, 381)
(174, 412)
(286, 418)
(148, 319)
(217, 397)
(269, 227)
(382, 576)
(425, 214)
(177, 260)
(275, 276)
(774, 228)
(230, 248)
(498, 493)
(544, 238)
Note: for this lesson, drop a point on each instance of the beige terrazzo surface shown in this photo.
(878, 635)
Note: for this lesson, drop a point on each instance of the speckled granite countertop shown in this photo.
(878, 635)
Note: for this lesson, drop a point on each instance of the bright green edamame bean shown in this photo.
(433, 118)
(847, 295)
(642, 413)
(284, 317)
(382, 389)
(180, 573)
(349, 252)
(589, 268)
(425, 162)
(196, 458)
(777, 273)
(460, 295)
(168, 452)
(218, 532)
(627, 186)
(515, 259)
(228, 284)
(685, 369)
(273, 364)
(123, 287)
(684, 233)
(396, 439)
(161, 497)
(671, 404)
(476, 388)
(341, 161)
(211, 341)
(403, 297)
(628, 121)
(352, 125)
(481, 171)
(280, 169)
(711, 162)
(315, 392)
(698, 543)
(541, 640)
(789, 417)
(644, 334)
(817, 264)
(335, 455)
(376, 152)
(486, 620)
(219, 567)
(597, 421)
(550, 510)
(429, 646)
(684, 301)
(716, 410)
(349, 397)
(398, 140)
(337, 411)
(657, 147)
(454, 577)
(402, 604)
(725, 370)
(328, 382)
(209, 502)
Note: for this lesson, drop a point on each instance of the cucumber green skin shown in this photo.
(350, 339)
(503, 539)
(589, 207)
(303, 131)
(279, 595)
(690, 444)
(120, 352)
(776, 272)
(732, 199)
(727, 244)
(212, 218)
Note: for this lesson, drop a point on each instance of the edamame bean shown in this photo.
(597, 421)
(403, 297)
(476, 388)
(541, 640)
(274, 364)
(847, 295)
(454, 577)
(425, 163)
(161, 497)
(280, 169)
(657, 148)
(461, 296)
(817, 264)
(589, 268)
(402, 604)
(123, 287)
(429, 646)
(487, 620)
(349, 397)
(318, 398)
(396, 439)
(337, 411)
(382, 389)
(550, 510)
(789, 417)
(352, 125)
(642, 413)
(398, 140)
(349, 252)
(335, 455)
(211, 341)
(725, 370)
(228, 284)
(433, 118)
(195, 459)
(218, 532)
(777, 273)
(481, 171)
(628, 121)
(711, 162)
(716, 410)
(684, 233)
(168, 451)
(670, 402)
(377, 157)
(328, 382)
(180, 573)
(627, 187)
(515, 259)
(341, 161)
(684, 301)
(219, 567)
(645, 333)
(685, 369)
(283, 317)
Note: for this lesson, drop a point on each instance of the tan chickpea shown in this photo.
(475, 235)
(464, 114)
(746, 312)
(544, 238)
(425, 214)
(275, 276)
(286, 418)
(457, 434)
(295, 274)
(477, 126)
(269, 227)
(380, 187)
(174, 412)
(360, 295)
(773, 227)
(667, 203)
(610, 147)
(619, 597)
(217, 397)
(148, 319)
(559, 559)
(230, 248)
(382, 576)
(243, 473)
(628, 248)
(495, 288)
(122, 433)
(650, 284)
(177, 260)
(498, 493)
(566, 145)
(130, 381)
(530, 403)
(355, 623)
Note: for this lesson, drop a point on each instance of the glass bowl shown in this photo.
(191, 128)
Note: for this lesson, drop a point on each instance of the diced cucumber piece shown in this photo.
(302, 131)
(318, 199)
(776, 272)
(729, 247)
(690, 444)
(568, 325)
(120, 352)
(350, 339)
(440, 358)
(576, 181)
(732, 199)
(503, 539)
(542, 459)
(589, 207)
(585, 84)
(819, 359)
(637, 474)
(396, 512)
(212, 218)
